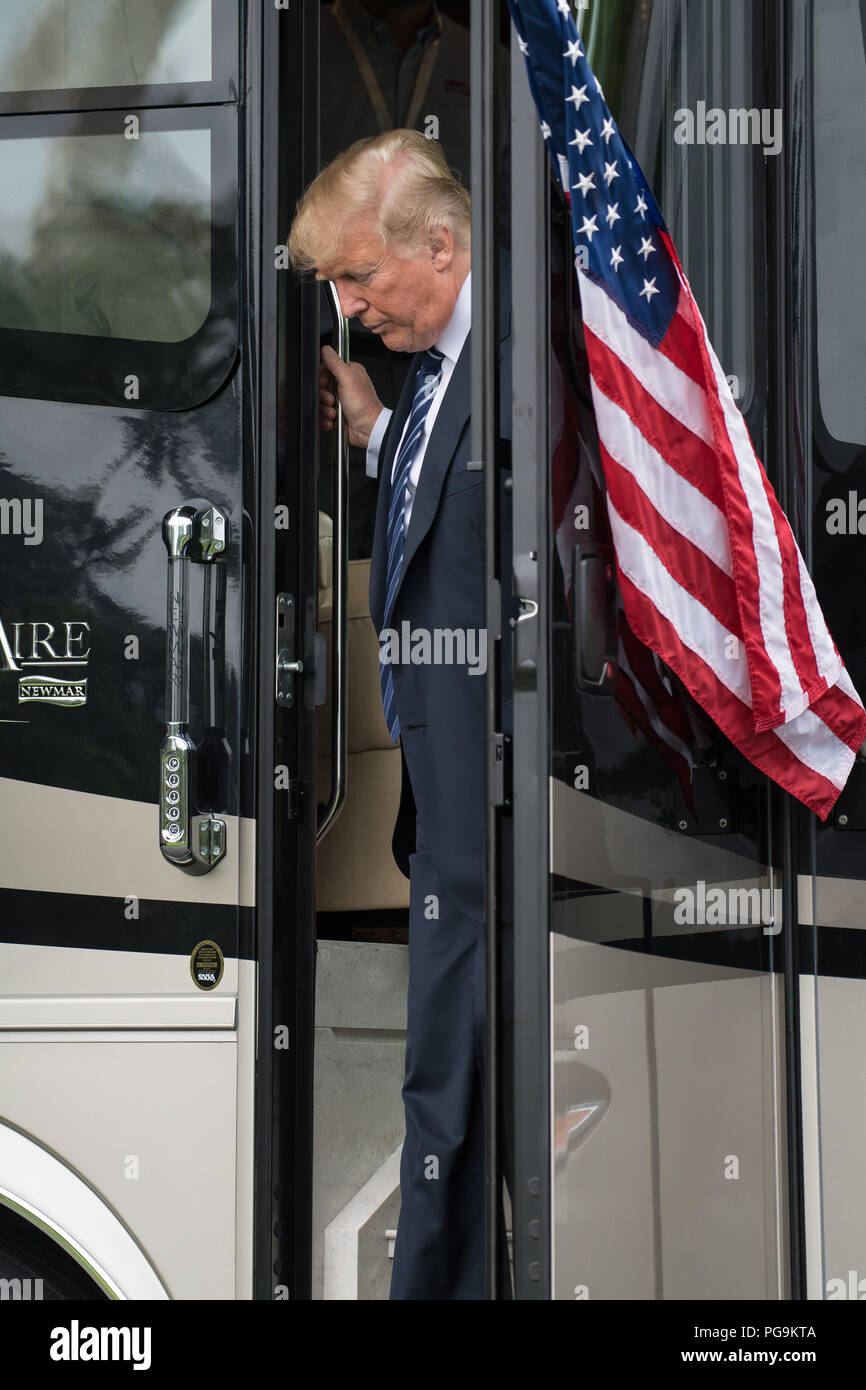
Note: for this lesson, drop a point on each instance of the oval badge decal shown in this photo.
(206, 965)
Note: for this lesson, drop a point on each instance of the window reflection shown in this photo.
(105, 236)
(657, 59)
(840, 209)
(67, 44)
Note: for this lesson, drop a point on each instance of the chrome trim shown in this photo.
(184, 839)
(51, 1012)
(340, 609)
(593, 842)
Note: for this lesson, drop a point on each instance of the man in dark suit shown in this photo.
(390, 225)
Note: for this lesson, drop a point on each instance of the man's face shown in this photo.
(406, 301)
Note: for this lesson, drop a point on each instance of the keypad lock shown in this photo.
(174, 806)
(187, 839)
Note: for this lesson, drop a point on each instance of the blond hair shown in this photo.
(399, 179)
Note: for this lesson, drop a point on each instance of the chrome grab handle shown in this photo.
(185, 838)
(340, 602)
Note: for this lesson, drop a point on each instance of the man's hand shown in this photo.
(361, 405)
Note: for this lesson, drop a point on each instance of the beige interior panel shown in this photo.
(355, 869)
(367, 727)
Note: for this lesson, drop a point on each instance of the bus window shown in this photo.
(120, 240)
(685, 96)
(840, 211)
(68, 44)
(106, 236)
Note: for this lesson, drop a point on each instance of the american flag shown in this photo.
(709, 573)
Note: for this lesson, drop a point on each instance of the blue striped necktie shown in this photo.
(426, 383)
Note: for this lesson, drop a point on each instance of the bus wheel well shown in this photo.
(34, 1267)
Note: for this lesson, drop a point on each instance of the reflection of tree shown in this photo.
(102, 261)
(103, 527)
(108, 42)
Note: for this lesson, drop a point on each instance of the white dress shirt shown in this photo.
(450, 343)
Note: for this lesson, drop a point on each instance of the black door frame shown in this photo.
(530, 197)
(281, 155)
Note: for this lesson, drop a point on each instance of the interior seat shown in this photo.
(355, 869)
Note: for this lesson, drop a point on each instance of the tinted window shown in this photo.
(840, 215)
(682, 83)
(106, 236)
(68, 44)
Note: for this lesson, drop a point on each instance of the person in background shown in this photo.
(390, 63)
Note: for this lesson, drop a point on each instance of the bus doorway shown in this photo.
(381, 66)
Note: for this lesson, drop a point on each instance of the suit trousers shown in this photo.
(439, 1252)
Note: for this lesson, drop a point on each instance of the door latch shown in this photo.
(287, 666)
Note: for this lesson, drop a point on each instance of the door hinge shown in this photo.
(285, 662)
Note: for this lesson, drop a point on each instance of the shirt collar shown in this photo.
(456, 331)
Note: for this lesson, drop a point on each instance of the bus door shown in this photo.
(652, 1082)
(135, 421)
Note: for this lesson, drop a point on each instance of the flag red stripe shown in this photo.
(799, 640)
(846, 717)
(689, 566)
(679, 447)
(765, 750)
(680, 343)
(745, 540)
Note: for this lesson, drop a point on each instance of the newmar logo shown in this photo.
(56, 649)
(42, 688)
(22, 516)
(77, 1343)
(729, 907)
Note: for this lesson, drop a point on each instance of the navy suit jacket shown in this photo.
(441, 706)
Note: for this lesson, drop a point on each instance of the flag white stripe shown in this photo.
(765, 545)
(826, 657)
(810, 740)
(815, 745)
(662, 379)
(675, 499)
(695, 625)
